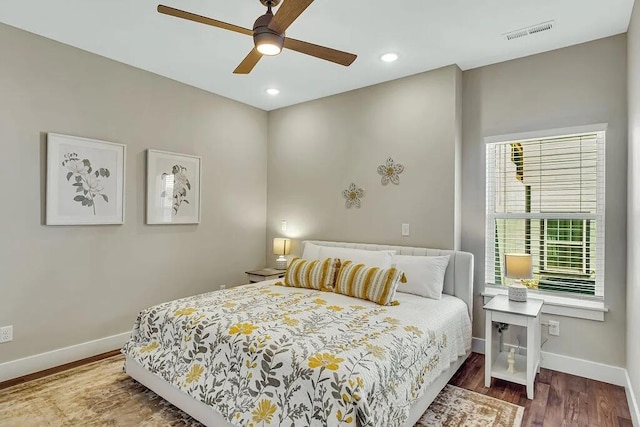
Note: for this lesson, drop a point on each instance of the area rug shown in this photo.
(101, 394)
(456, 406)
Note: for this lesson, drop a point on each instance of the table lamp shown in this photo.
(281, 247)
(518, 266)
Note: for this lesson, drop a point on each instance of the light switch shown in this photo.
(283, 225)
(405, 229)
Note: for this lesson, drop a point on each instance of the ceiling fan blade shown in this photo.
(248, 62)
(326, 53)
(287, 13)
(166, 10)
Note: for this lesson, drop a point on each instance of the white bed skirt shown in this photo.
(210, 418)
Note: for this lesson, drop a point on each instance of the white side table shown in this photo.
(526, 314)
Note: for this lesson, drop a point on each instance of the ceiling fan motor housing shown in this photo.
(272, 3)
(262, 35)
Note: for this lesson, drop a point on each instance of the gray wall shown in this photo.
(578, 85)
(67, 285)
(633, 191)
(318, 148)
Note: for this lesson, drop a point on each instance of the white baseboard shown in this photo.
(633, 403)
(51, 359)
(477, 345)
(571, 365)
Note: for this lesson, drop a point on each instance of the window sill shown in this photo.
(558, 305)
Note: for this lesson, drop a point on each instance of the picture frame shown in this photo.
(173, 188)
(85, 181)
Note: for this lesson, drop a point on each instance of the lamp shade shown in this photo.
(281, 246)
(518, 266)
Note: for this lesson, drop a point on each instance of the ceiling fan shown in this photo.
(269, 33)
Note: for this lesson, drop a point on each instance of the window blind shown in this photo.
(545, 197)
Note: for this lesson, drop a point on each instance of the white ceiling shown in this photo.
(427, 34)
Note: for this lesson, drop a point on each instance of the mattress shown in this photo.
(269, 355)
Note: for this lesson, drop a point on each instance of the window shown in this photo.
(545, 197)
(566, 248)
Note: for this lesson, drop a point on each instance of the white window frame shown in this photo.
(592, 308)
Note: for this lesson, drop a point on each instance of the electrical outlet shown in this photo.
(6, 334)
(405, 229)
(554, 328)
(223, 287)
(283, 225)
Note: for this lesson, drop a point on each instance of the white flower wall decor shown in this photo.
(173, 188)
(353, 194)
(85, 181)
(390, 171)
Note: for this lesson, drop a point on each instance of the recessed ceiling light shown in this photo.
(389, 57)
(273, 91)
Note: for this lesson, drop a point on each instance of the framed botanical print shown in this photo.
(173, 188)
(85, 181)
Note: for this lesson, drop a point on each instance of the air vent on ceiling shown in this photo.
(534, 29)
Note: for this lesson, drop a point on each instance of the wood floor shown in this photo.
(47, 372)
(560, 399)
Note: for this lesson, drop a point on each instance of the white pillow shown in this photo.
(311, 251)
(425, 274)
(382, 259)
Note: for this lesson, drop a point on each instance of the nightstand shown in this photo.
(264, 274)
(527, 314)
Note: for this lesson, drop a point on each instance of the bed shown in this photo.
(264, 354)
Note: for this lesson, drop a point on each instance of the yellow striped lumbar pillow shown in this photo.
(314, 274)
(371, 283)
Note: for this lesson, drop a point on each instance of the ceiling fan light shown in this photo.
(268, 43)
(269, 49)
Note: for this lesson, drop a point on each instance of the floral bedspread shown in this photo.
(266, 355)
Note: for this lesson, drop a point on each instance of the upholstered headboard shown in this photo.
(458, 279)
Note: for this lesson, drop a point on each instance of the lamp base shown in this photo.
(518, 292)
(281, 263)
